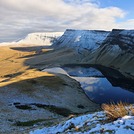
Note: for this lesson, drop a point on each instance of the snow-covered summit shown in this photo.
(82, 39)
(44, 38)
(41, 38)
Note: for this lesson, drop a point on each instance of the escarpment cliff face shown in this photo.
(116, 51)
(81, 40)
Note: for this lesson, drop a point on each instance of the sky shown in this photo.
(20, 17)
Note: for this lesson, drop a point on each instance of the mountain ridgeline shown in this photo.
(81, 39)
(36, 39)
(113, 49)
(117, 51)
(41, 38)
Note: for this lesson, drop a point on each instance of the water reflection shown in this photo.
(100, 90)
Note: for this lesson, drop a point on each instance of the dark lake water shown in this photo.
(98, 88)
(101, 91)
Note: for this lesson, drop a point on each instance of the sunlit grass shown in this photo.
(13, 68)
(114, 111)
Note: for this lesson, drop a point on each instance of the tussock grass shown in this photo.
(114, 111)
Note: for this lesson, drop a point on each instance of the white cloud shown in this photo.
(129, 24)
(19, 17)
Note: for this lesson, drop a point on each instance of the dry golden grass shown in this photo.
(115, 111)
(14, 70)
(11, 61)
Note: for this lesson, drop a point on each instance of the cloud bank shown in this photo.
(19, 17)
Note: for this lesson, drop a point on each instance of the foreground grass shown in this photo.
(115, 111)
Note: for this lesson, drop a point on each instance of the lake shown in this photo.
(96, 86)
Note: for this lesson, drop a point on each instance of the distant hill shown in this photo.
(44, 38)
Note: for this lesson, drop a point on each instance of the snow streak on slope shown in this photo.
(44, 38)
(82, 39)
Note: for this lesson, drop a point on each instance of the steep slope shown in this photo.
(44, 38)
(81, 39)
(117, 51)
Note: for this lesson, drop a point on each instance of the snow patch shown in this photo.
(91, 123)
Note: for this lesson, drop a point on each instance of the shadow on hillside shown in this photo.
(30, 48)
(11, 76)
(47, 56)
(30, 84)
(37, 93)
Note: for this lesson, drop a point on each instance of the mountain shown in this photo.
(44, 38)
(113, 49)
(116, 51)
(41, 38)
(81, 39)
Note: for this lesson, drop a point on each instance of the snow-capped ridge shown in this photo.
(81, 39)
(42, 38)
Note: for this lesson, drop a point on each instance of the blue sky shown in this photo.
(20, 17)
(126, 5)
